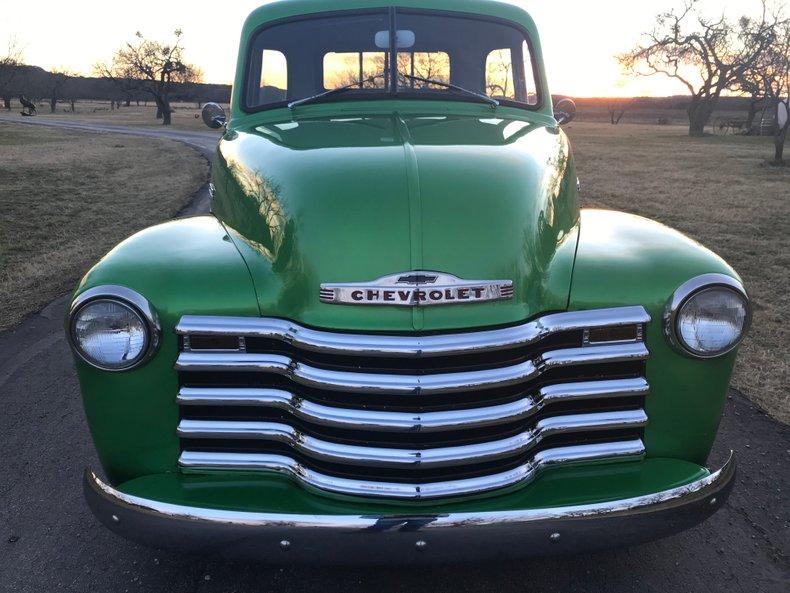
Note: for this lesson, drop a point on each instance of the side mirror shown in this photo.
(214, 116)
(565, 111)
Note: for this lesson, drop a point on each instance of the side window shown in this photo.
(274, 77)
(531, 94)
(343, 69)
(510, 75)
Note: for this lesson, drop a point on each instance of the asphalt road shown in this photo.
(49, 541)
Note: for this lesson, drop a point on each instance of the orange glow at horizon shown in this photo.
(579, 38)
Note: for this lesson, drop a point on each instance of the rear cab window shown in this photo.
(299, 58)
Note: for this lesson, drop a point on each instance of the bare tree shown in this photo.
(780, 90)
(499, 75)
(151, 67)
(56, 85)
(10, 64)
(124, 78)
(751, 85)
(706, 55)
(72, 90)
(617, 109)
(768, 80)
(425, 65)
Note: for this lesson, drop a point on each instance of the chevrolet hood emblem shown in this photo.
(416, 289)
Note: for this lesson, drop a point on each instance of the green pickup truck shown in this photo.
(398, 337)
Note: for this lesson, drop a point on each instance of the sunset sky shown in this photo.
(580, 37)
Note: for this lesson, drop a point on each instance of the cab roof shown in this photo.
(280, 9)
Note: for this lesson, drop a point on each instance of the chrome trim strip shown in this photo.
(131, 299)
(307, 375)
(411, 346)
(390, 457)
(416, 288)
(418, 536)
(617, 451)
(409, 421)
(684, 293)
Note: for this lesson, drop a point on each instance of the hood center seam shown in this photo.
(415, 209)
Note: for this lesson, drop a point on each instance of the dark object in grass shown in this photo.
(28, 105)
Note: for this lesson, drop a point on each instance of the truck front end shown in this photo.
(398, 336)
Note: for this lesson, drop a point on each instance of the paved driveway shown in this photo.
(49, 541)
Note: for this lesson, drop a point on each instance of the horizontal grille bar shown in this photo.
(617, 451)
(410, 421)
(411, 416)
(389, 457)
(408, 384)
(313, 340)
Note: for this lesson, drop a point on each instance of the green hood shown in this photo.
(352, 199)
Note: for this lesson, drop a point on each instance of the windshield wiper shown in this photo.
(454, 87)
(357, 84)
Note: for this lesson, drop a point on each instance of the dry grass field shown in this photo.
(67, 197)
(185, 117)
(720, 191)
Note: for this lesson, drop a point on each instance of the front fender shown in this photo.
(624, 259)
(183, 267)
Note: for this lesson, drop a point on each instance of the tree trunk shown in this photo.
(128, 102)
(752, 115)
(779, 143)
(699, 114)
(163, 110)
(73, 109)
(53, 104)
(7, 103)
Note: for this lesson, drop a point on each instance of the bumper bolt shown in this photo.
(554, 537)
(421, 545)
(285, 545)
(115, 519)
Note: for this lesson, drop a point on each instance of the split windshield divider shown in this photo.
(391, 75)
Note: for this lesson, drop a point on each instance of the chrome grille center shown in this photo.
(411, 416)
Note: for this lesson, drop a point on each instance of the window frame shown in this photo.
(390, 94)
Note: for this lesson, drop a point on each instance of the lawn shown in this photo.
(186, 116)
(720, 191)
(68, 197)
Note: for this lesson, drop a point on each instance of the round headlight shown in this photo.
(708, 316)
(111, 332)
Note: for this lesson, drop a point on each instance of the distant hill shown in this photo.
(650, 110)
(39, 85)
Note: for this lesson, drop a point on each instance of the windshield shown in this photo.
(381, 54)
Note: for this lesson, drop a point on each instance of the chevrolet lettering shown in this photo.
(413, 289)
(398, 336)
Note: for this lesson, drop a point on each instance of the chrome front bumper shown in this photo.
(344, 539)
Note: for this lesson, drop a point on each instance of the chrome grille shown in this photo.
(408, 416)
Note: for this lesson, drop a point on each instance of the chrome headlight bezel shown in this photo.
(133, 301)
(687, 291)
